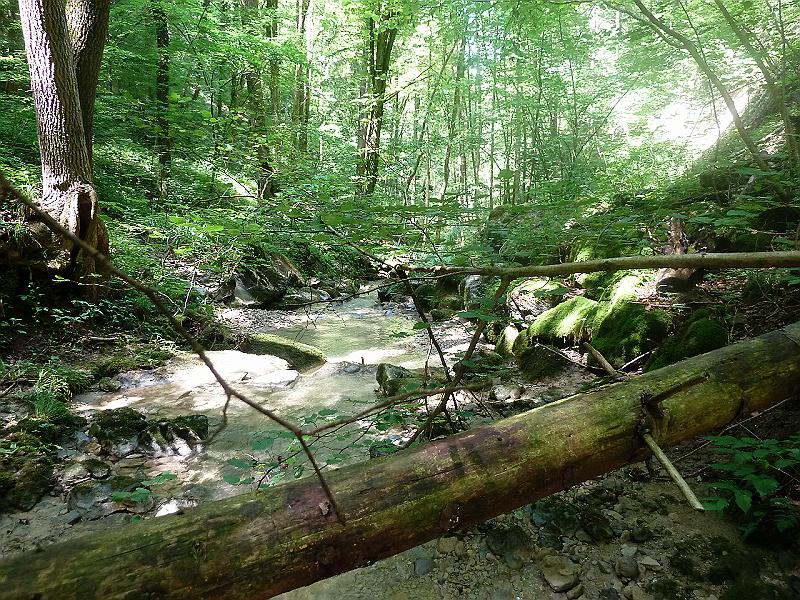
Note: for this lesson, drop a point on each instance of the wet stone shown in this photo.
(423, 566)
(560, 573)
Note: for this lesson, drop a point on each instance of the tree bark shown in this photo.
(68, 192)
(378, 55)
(87, 21)
(263, 543)
(163, 142)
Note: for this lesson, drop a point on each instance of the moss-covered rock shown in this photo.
(450, 302)
(520, 343)
(628, 331)
(24, 480)
(117, 430)
(505, 341)
(533, 296)
(393, 379)
(441, 314)
(300, 356)
(539, 361)
(569, 321)
(125, 359)
(702, 335)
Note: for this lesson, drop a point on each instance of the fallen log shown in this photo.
(260, 544)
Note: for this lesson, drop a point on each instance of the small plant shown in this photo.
(762, 477)
(143, 492)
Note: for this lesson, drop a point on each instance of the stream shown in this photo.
(611, 538)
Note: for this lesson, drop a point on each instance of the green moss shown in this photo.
(441, 314)
(540, 361)
(628, 331)
(505, 341)
(570, 320)
(701, 336)
(300, 356)
(24, 480)
(450, 302)
(520, 343)
(128, 359)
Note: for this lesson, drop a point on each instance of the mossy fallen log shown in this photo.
(260, 544)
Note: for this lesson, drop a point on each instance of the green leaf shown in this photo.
(715, 503)
(420, 325)
(240, 463)
(262, 444)
(744, 500)
(232, 479)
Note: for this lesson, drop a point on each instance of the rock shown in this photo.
(539, 361)
(609, 594)
(87, 495)
(446, 545)
(629, 551)
(560, 573)
(510, 544)
(627, 567)
(650, 563)
(107, 384)
(97, 469)
(701, 336)
(634, 592)
(73, 517)
(533, 296)
(505, 341)
(641, 533)
(505, 392)
(575, 592)
(423, 566)
(473, 289)
(570, 320)
(74, 471)
(391, 378)
(583, 536)
(24, 480)
(300, 356)
(263, 285)
(117, 430)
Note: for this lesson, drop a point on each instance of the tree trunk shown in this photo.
(163, 142)
(68, 192)
(88, 26)
(263, 543)
(378, 55)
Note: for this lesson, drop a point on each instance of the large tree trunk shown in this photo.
(68, 192)
(88, 26)
(263, 543)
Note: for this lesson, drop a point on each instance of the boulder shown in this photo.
(533, 296)
(301, 357)
(474, 290)
(570, 321)
(701, 335)
(505, 341)
(539, 361)
(263, 279)
(23, 481)
(392, 379)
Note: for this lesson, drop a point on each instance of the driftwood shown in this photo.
(263, 543)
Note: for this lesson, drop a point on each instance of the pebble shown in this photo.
(650, 563)
(446, 545)
(560, 573)
(575, 592)
(627, 567)
(423, 566)
(629, 551)
(634, 592)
